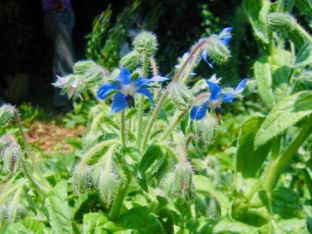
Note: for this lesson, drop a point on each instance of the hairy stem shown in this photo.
(141, 108)
(121, 194)
(155, 73)
(122, 128)
(191, 67)
(275, 166)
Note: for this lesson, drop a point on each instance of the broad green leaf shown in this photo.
(248, 161)
(27, 226)
(153, 152)
(233, 227)
(271, 74)
(57, 206)
(93, 221)
(283, 115)
(141, 220)
(290, 226)
(305, 6)
(257, 12)
(304, 56)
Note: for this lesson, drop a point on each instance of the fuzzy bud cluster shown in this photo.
(180, 182)
(131, 60)
(82, 179)
(205, 128)
(145, 43)
(6, 114)
(181, 96)
(12, 212)
(281, 22)
(218, 51)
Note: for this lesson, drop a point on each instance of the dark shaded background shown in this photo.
(26, 52)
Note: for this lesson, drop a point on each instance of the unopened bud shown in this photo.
(14, 212)
(181, 96)
(6, 114)
(108, 186)
(183, 180)
(281, 22)
(206, 128)
(5, 141)
(214, 208)
(12, 158)
(217, 50)
(82, 179)
(145, 42)
(131, 60)
(95, 75)
(82, 67)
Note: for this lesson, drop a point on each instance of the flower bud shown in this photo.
(95, 76)
(281, 22)
(168, 186)
(15, 212)
(12, 158)
(181, 96)
(145, 42)
(183, 180)
(6, 114)
(108, 185)
(82, 179)
(217, 50)
(214, 208)
(131, 60)
(82, 67)
(5, 141)
(205, 128)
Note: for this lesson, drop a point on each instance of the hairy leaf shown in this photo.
(57, 206)
(257, 12)
(93, 222)
(142, 220)
(283, 115)
(304, 56)
(227, 226)
(248, 161)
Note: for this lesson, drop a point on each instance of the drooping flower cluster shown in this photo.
(216, 99)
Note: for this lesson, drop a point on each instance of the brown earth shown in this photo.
(50, 137)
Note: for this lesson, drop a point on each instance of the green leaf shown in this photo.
(57, 206)
(285, 114)
(142, 220)
(257, 12)
(290, 226)
(305, 6)
(227, 226)
(27, 226)
(248, 161)
(304, 56)
(185, 123)
(93, 221)
(152, 153)
(271, 74)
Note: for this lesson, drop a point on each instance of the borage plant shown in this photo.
(134, 154)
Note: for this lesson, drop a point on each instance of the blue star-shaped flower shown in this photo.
(126, 88)
(215, 100)
(224, 36)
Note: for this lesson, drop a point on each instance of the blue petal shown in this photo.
(124, 76)
(225, 31)
(106, 89)
(241, 86)
(198, 113)
(142, 81)
(214, 89)
(119, 103)
(204, 56)
(146, 93)
(228, 97)
(226, 40)
(159, 78)
(193, 112)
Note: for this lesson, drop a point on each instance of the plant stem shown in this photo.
(191, 67)
(122, 128)
(141, 108)
(28, 152)
(122, 192)
(303, 33)
(166, 92)
(275, 166)
(155, 73)
(9, 192)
